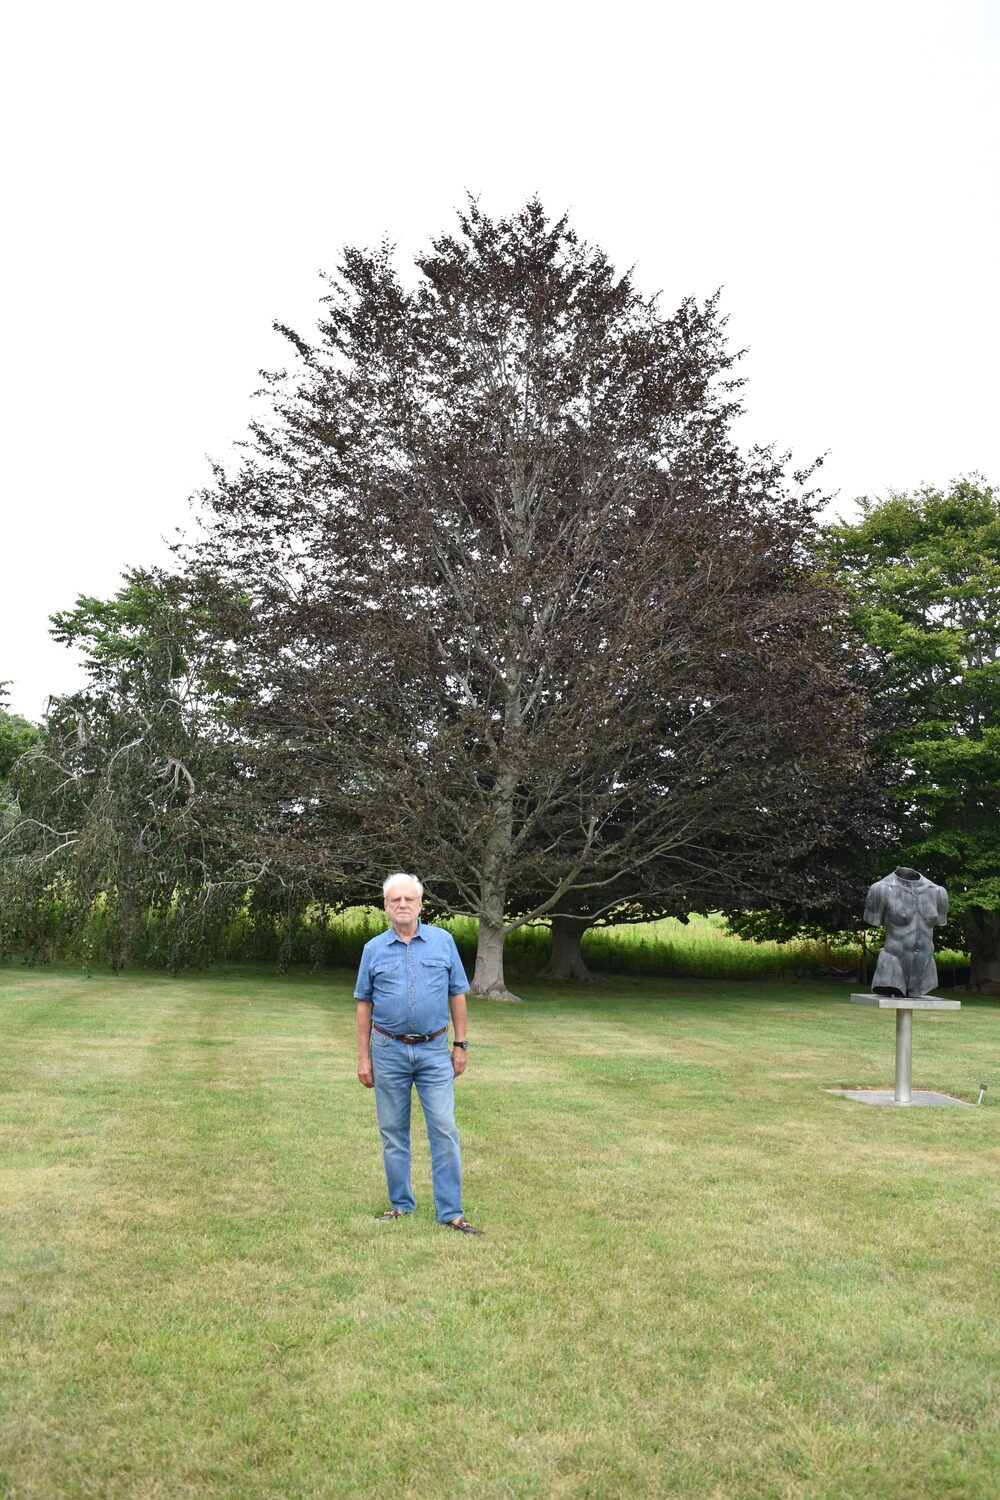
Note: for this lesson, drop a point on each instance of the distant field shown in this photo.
(703, 1275)
(702, 947)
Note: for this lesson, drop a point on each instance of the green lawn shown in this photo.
(703, 1275)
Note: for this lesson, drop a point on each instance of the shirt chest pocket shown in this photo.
(387, 973)
(434, 971)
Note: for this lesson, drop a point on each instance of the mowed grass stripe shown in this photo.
(703, 1276)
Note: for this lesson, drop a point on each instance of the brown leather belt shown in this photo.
(408, 1037)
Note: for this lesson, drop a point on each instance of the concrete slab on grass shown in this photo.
(885, 1096)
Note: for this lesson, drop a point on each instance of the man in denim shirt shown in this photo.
(410, 978)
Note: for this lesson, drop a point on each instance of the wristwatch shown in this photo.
(464, 1045)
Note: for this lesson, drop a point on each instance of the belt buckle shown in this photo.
(410, 1037)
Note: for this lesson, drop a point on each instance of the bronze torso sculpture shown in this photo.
(909, 907)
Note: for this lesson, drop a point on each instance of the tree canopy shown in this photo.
(924, 570)
(502, 601)
(131, 794)
(16, 735)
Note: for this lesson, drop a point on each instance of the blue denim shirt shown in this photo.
(409, 983)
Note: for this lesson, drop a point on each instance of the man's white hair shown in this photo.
(402, 875)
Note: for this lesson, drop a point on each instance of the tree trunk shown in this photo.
(488, 980)
(566, 959)
(982, 934)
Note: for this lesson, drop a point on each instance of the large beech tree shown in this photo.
(504, 602)
(924, 571)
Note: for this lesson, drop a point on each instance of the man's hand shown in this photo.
(460, 1021)
(364, 1033)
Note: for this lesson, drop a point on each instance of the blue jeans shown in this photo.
(398, 1067)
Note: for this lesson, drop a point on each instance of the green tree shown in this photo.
(504, 602)
(16, 735)
(128, 793)
(924, 571)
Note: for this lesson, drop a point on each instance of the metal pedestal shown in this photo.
(904, 1056)
(904, 1006)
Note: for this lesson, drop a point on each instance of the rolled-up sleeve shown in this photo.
(363, 989)
(458, 981)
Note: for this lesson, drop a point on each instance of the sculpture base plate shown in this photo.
(885, 1096)
(906, 1002)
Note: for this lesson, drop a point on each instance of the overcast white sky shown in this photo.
(176, 177)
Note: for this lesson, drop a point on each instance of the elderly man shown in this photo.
(410, 978)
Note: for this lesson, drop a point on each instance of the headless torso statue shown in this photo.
(909, 907)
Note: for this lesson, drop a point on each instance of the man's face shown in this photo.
(402, 903)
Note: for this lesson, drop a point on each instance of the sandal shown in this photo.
(463, 1226)
(391, 1213)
